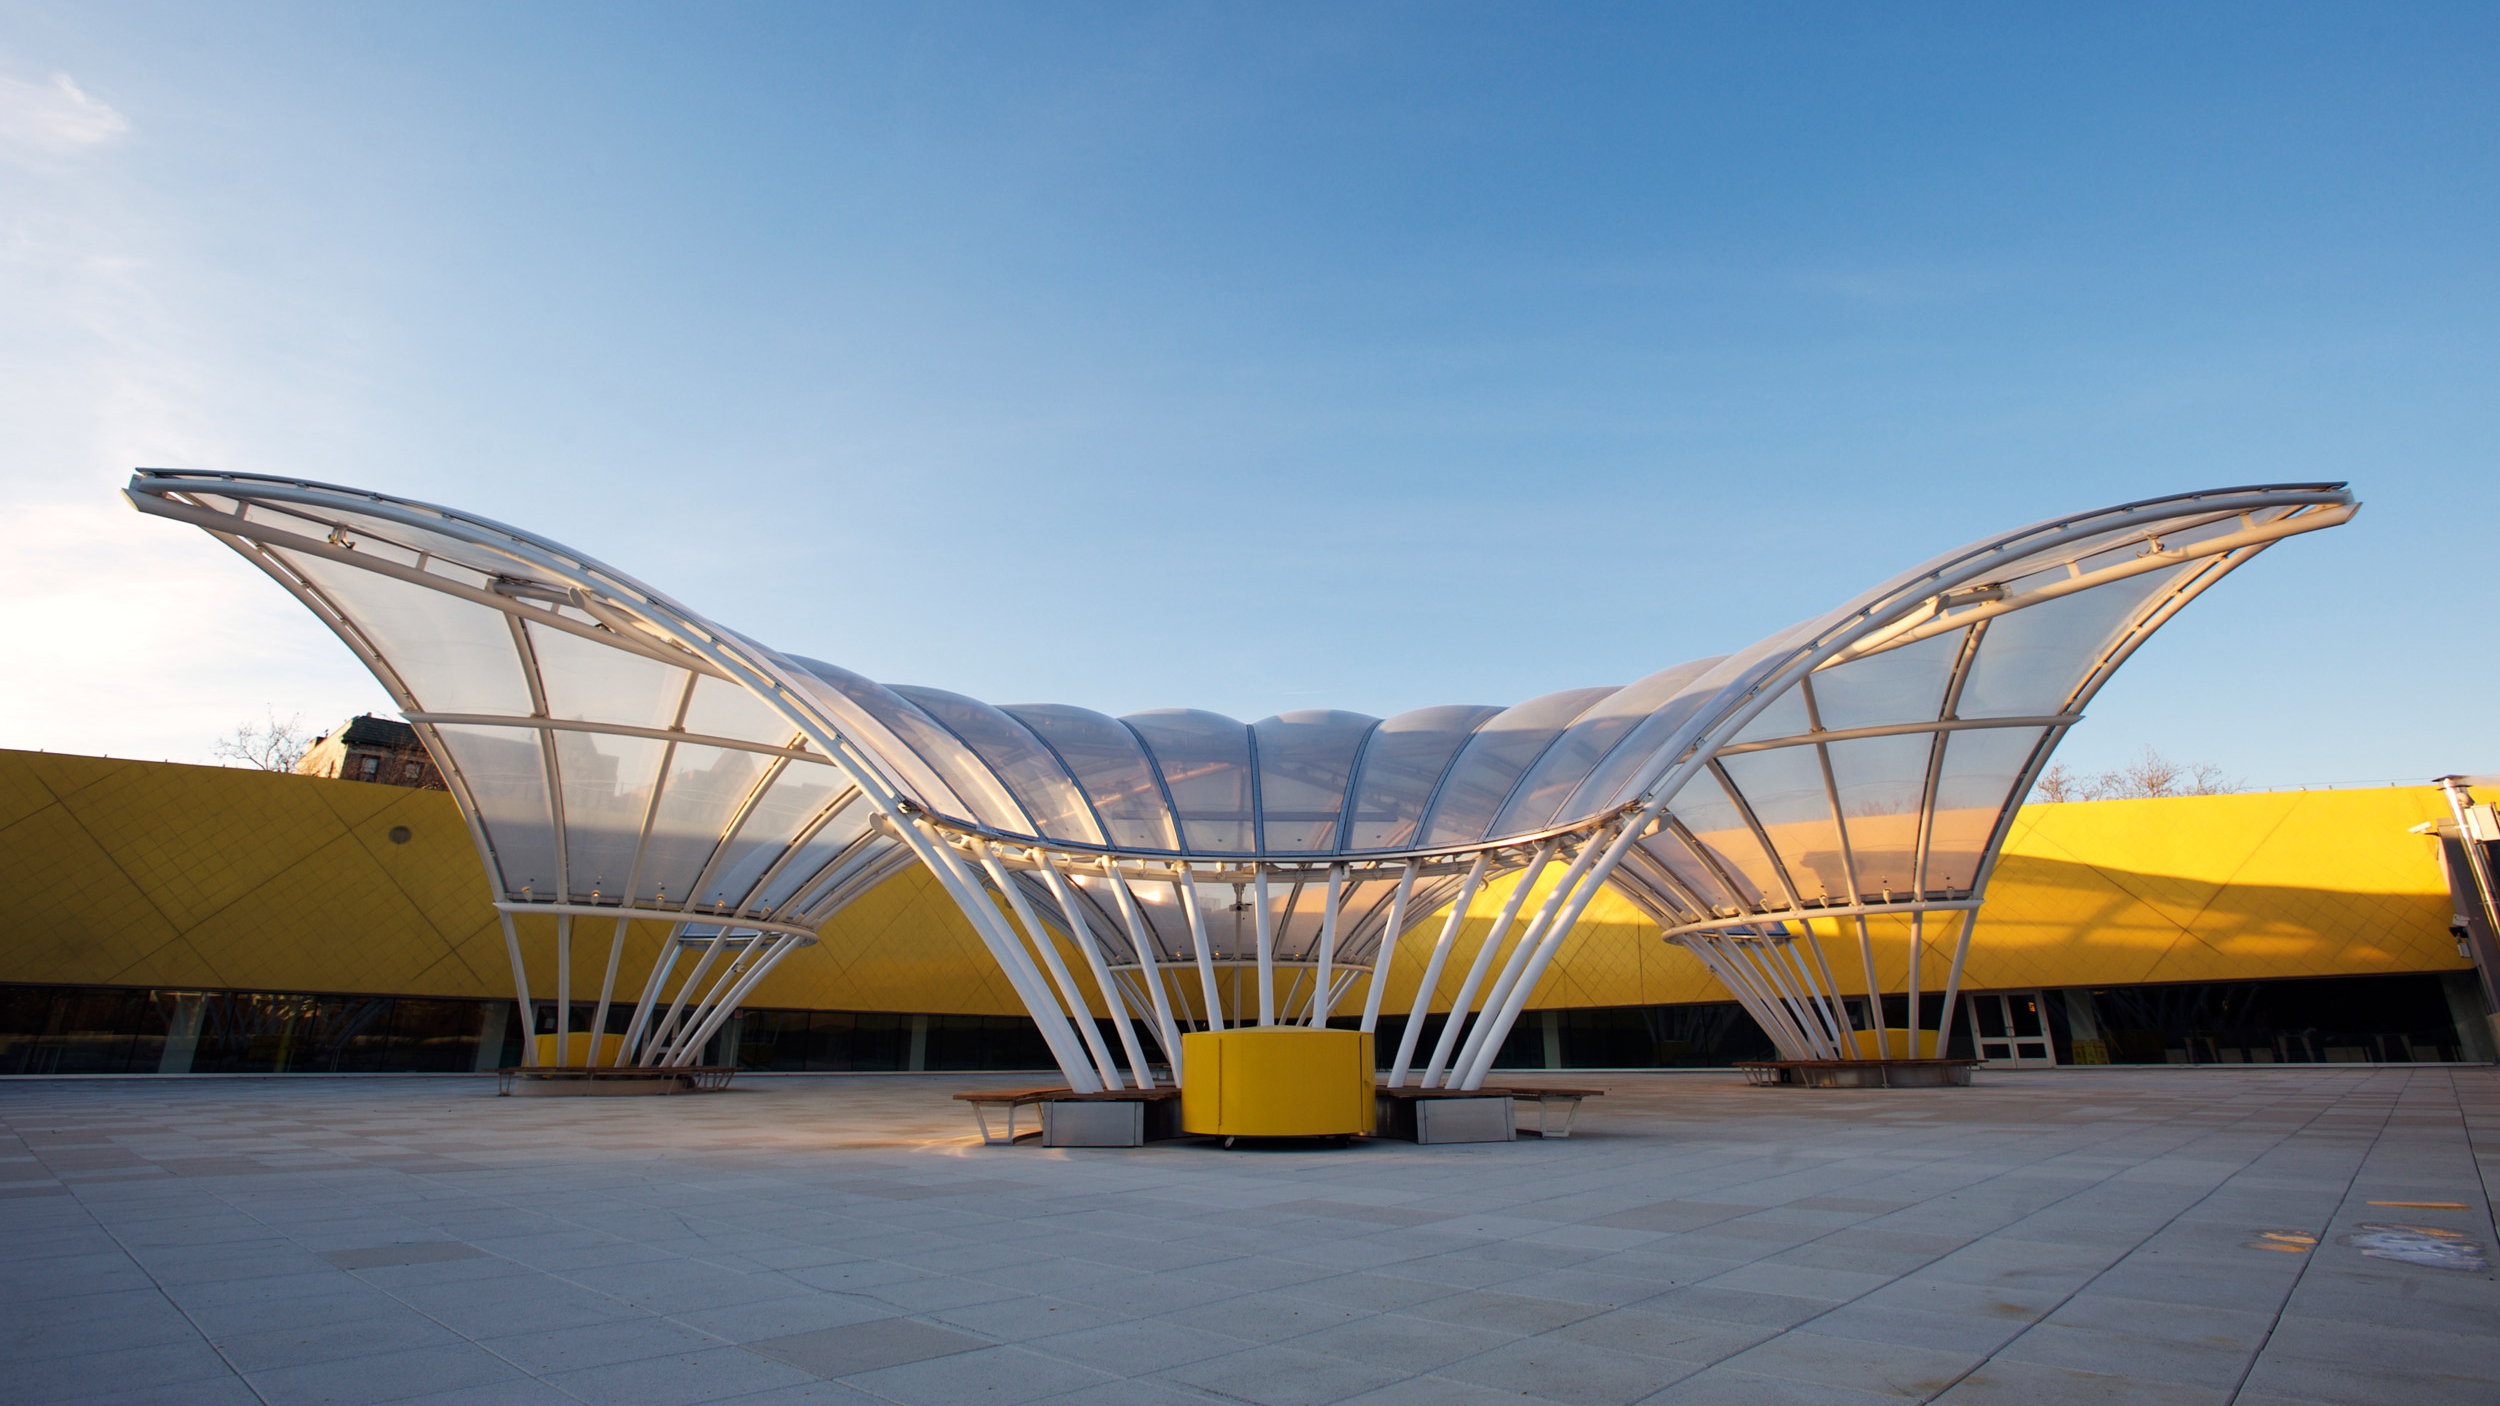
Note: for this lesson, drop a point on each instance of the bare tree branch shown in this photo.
(2149, 776)
(270, 746)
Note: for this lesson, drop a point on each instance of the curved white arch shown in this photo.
(618, 755)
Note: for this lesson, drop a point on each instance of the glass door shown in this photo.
(2008, 1028)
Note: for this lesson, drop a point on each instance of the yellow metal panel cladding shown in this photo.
(577, 1052)
(1277, 1081)
(1202, 1082)
(2208, 888)
(151, 874)
(2189, 888)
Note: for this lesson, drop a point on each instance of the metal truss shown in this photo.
(619, 758)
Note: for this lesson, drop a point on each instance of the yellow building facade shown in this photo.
(144, 874)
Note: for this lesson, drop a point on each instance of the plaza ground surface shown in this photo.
(2038, 1238)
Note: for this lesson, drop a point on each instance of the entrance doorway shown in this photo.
(2008, 1029)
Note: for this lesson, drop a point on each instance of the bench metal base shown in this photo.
(573, 1081)
(1115, 1118)
(1862, 1073)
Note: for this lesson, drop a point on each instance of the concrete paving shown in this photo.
(2042, 1237)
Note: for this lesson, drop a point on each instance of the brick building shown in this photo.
(367, 748)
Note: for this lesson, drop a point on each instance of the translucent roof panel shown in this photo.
(1538, 800)
(722, 709)
(1048, 796)
(1490, 766)
(1727, 843)
(455, 656)
(1785, 788)
(967, 788)
(608, 782)
(707, 787)
(848, 827)
(1111, 767)
(1204, 759)
(1883, 783)
(589, 681)
(503, 771)
(1402, 767)
(1897, 686)
(1306, 761)
(782, 819)
(2031, 662)
(612, 746)
(1982, 766)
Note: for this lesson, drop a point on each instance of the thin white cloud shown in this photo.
(46, 121)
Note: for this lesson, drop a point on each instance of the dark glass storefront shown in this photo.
(117, 1030)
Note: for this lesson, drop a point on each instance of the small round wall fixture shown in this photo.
(400, 834)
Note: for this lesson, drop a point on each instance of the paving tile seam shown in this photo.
(2236, 1174)
(175, 1304)
(2062, 1302)
(2275, 1318)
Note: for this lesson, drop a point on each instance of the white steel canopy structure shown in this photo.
(620, 757)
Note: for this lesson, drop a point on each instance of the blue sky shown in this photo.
(1264, 357)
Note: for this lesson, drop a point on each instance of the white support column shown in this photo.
(1083, 934)
(699, 1014)
(607, 990)
(1761, 962)
(1809, 997)
(782, 946)
(1166, 1033)
(1953, 983)
(663, 962)
(1777, 1020)
(1069, 992)
(1292, 993)
(1321, 992)
(564, 982)
(1918, 952)
(1474, 1053)
(1388, 949)
(660, 1042)
(1017, 965)
(1774, 1018)
(1432, 968)
(1187, 885)
(1464, 1004)
(1582, 885)
(521, 992)
(1874, 994)
(1831, 984)
(1267, 952)
(1819, 1001)
(1797, 1039)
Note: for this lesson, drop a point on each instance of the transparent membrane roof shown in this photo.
(616, 751)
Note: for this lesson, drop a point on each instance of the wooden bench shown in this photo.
(1861, 1073)
(1013, 1099)
(1546, 1099)
(620, 1078)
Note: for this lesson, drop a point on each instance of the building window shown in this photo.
(369, 766)
(411, 771)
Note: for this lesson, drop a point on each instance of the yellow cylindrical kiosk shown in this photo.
(1276, 1081)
